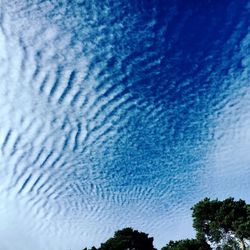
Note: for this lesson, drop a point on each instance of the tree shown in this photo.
(223, 223)
(128, 239)
(188, 244)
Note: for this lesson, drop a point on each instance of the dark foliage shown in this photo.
(128, 239)
(188, 244)
(222, 221)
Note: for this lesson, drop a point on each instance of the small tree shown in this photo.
(128, 239)
(188, 244)
(223, 223)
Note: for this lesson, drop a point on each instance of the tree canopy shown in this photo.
(128, 239)
(188, 244)
(222, 222)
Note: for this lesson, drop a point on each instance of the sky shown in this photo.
(119, 113)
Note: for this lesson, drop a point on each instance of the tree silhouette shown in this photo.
(188, 244)
(224, 223)
(128, 239)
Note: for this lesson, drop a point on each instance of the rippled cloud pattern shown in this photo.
(119, 113)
